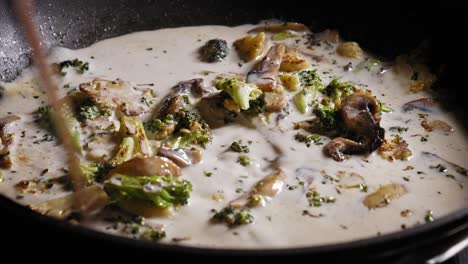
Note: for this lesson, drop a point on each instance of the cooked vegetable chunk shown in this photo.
(214, 50)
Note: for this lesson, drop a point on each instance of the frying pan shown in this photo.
(386, 30)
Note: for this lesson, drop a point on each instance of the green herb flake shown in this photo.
(398, 129)
(207, 173)
(232, 216)
(308, 139)
(428, 217)
(237, 147)
(244, 160)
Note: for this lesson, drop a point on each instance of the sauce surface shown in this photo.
(168, 56)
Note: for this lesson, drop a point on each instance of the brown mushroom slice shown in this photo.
(6, 140)
(148, 166)
(360, 116)
(183, 157)
(271, 185)
(265, 72)
(384, 195)
(194, 86)
(278, 27)
(339, 147)
(422, 104)
(436, 125)
(171, 104)
(213, 112)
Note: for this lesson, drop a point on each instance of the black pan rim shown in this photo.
(438, 227)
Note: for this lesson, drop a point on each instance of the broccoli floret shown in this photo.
(244, 161)
(87, 110)
(308, 139)
(44, 116)
(160, 191)
(199, 137)
(327, 116)
(338, 90)
(241, 92)
(95, 171)
(384, 108)
(257, 106)
(214, 50)
(233, 216)
(237, 147)
(282, 35)
(310, 78)
(79, 65)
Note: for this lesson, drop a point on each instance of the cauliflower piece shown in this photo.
(291, 82)
(250, 47)
(349, 50)
(292, 61)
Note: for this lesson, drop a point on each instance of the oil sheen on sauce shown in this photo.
(165, 57)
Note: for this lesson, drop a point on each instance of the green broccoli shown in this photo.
(244, 161)
(214, 50)
(87, 110)
(241, 92)
(198, 137)
(160, 191)
(311, 80)
(237, 147)
(257, 106)
(95, 171)
(384, 108)
(233, 216)
(44, 116)
(79, 65)
(338, 90)
(328, 117)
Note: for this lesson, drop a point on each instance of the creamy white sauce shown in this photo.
(173, 58)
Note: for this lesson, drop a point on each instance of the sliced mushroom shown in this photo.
(182, 157)
(213, 112)
(384, 195)
(149, 166)
(6, 140)
(359, 113)
(271, 185)
(436, 125)
(59, 207)
(171, 104)
(278, 27)
(339, 147)
(194, 86)
(265, 72)
(422, 104)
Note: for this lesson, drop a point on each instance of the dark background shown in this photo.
(386, 28)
